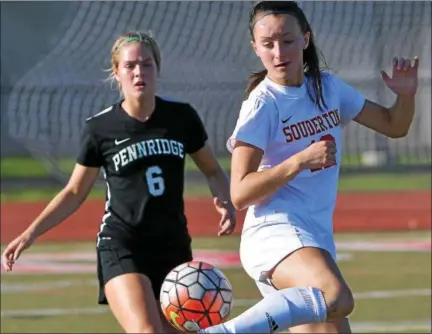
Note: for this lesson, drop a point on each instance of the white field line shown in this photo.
(392, 294)
(10, 288)
(46, 312)
(359, 295)
(391, 327)
(7, 288)
(384, 246)
(242, 302)
(43, 263)
(357, 327)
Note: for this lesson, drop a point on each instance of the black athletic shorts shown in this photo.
(115, 260)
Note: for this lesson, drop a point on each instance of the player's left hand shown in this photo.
(228, 217)
(404, 79)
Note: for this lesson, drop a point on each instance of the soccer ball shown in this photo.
(196, 295)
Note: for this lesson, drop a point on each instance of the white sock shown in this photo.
(277, 312)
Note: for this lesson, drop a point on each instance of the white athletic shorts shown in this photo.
(268, 239)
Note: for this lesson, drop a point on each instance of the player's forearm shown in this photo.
(60, 208)
(219, 185)
(256, 187)
(401, 115)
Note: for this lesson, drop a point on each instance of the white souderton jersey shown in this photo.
(283, 121)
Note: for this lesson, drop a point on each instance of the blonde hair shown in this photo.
(133, 37)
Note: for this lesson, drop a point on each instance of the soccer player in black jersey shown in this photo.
(140, 144)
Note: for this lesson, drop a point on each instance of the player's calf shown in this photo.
(277, 312)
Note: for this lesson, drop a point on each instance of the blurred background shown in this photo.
(53, 57)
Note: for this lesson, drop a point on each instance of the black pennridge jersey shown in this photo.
(143, 166)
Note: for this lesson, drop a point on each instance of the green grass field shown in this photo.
(392, 289)
(27, 168)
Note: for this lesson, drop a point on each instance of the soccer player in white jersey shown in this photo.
(286, 154)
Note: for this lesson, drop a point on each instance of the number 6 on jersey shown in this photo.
(155, 181)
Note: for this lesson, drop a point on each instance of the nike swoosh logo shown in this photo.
(118, 142)
(285, 120)
(174, 317)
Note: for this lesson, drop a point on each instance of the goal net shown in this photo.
(206, 61)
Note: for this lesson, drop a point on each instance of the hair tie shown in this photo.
(128, 40)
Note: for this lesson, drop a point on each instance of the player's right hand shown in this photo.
(15, 248)
(318, 155)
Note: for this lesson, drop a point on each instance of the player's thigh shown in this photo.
(157, 274)
(132, 302)
(315, 267)
(310, 266)
(127, 289)
(159, 268)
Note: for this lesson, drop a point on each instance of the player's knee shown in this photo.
(339, 300)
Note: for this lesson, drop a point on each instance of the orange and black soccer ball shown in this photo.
(196, 295)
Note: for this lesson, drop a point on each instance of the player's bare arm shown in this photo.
(67, 201)
(394, 122)
(249, 187)
(219, 187)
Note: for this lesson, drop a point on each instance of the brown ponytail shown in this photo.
(254, 80)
